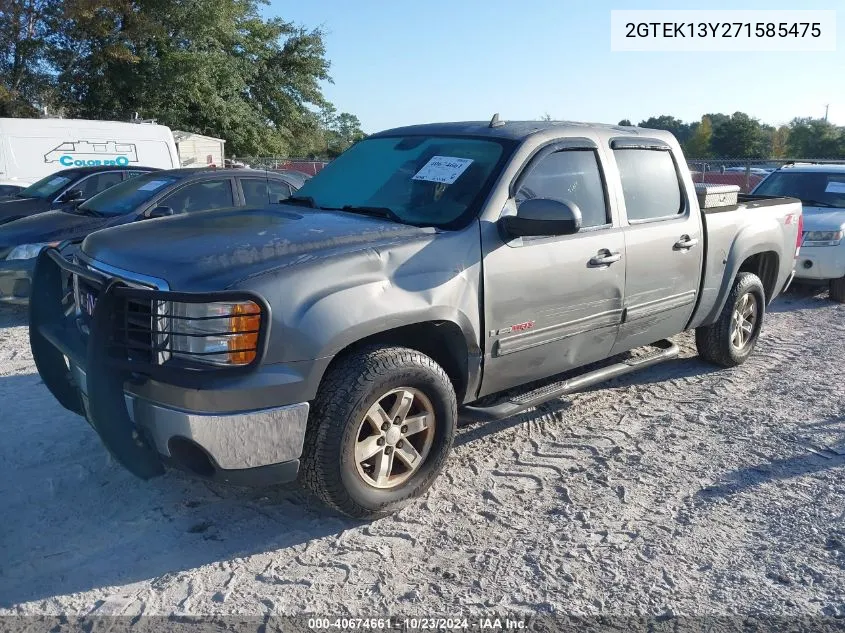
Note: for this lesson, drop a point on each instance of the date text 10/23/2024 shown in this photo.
(492, 623)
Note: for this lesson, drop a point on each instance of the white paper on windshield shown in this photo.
(443, 169)
(835, 187)
(152, 185)
(58, 181)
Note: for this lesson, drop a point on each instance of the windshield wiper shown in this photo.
(378, 212)
(818, 203)
(301, 201)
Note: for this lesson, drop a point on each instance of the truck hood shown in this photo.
(823, 219)
(50, 226)
(212, 250)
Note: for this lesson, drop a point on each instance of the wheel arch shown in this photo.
(443, 340)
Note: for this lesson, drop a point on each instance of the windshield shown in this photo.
(423, 180)
(813, 188)
(127, 196)
(49, 186)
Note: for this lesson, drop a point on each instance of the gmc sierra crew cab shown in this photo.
(338, 337)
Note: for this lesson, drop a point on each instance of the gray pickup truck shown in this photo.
(340, 336)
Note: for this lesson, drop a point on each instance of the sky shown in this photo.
(401, 62)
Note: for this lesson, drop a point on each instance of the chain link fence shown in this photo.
(305, 165)
(746, 173)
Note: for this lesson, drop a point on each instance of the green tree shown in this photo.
(699, 144)
(682, 131)
(24, 77)
(815, 138)
(211, 66)
(780, 142)
(349, 129)
(626, 122)
(738, 136)
(339, 131)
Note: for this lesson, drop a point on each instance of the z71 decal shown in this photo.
(518, 327)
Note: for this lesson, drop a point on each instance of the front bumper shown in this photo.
(247, 445)
(821, 262)
(16, 280)
(232, 442)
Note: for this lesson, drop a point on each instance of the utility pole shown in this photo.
(825, 111)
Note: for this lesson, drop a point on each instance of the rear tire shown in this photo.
(731, 339)
(837, 289)
(357, 458)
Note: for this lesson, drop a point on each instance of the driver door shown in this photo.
(554, 303)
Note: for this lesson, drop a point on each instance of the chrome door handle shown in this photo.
(685, 242)
(605, 258)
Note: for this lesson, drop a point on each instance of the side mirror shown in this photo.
(542, 216)
(71, 195)
(160, 212)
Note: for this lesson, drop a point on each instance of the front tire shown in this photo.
(731, 339)
(379, 432)
(837, 289)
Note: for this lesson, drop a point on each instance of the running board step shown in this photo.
(520, 402)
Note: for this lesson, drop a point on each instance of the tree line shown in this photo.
(213, 67)
(741, 136)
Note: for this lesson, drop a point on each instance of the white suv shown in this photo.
(821, 189)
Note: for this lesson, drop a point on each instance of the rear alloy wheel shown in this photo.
(379, 431)
(744, 320)
(731, 339)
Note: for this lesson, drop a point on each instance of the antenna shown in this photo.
(495, 122)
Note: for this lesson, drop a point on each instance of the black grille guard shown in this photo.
(49, 319)
(55, 333)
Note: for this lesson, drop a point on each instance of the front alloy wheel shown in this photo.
(379, 430)
(394, 438)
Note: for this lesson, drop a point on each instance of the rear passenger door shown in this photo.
(663, 243)
(201, 195)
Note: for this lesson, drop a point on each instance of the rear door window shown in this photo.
(255, 192)
(650, 184)
(92, 185)
(279, 190)
(200, 196)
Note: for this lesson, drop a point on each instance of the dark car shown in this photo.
(66, 188)
(9, 191)
(152, 195)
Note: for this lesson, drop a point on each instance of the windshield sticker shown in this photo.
(58, 181)
(835, 187)
(152, 185)
(443, 169)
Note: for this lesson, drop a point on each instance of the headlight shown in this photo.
(28, 251)
(822, 238)
(220, 333)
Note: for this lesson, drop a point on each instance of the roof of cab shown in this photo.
(187, 172)
(519, 130)
(98, 168)
(836, 168)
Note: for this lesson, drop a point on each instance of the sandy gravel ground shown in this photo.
(680, 490)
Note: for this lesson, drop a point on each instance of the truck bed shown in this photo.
(760, 224)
